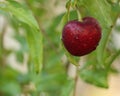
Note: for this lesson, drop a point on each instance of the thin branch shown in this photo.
(76, 80)
(2, 36)
(2, 50)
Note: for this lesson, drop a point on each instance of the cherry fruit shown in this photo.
(81, 38)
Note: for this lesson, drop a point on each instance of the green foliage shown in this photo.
(8, 82)
(97, 77)
(34, 36)
(104, 13)
(68, 88)
(38, 29)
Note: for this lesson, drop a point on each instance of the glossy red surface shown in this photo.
(81, 38)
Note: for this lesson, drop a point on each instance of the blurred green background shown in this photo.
(33, 61)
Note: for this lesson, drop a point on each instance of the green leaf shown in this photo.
(73, 59)
(20, 56)
(103, 12)
(9, 85)
(95, 77)
(22, 13)
(10, 88)
(34, 35)
(22, 40)
(35, 48)
(67, 88)
(64, 20)
(72, 15)
(51, 82)
(116, 7)
(8, 73)
(106, 14)
(71, 3)
(68, 4)
(117, 28)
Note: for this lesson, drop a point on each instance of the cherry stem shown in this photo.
(68, 14)
(68, 11)
(79, 15)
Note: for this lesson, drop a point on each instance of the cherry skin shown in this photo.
(81, 38)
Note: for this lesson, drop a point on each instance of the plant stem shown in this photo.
(79, 15)
(76, 80)
(2, 50)
(67, 65)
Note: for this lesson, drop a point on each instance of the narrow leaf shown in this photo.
(67, 88)
(95, 77)
(34, 35)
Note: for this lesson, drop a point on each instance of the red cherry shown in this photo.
(81, 38)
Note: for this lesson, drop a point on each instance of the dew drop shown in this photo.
(76, 37)
(90, 38)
